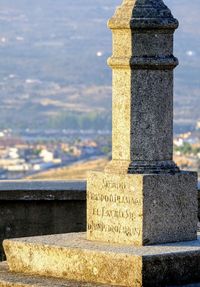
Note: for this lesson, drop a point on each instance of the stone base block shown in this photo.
(11, 279)
(142, 209)
(72, 257)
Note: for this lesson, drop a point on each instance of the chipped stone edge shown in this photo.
(42, 190)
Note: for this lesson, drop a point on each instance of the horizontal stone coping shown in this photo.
(42, 190)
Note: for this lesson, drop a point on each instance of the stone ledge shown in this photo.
(42, 190)
(72, 257)
(10, 279)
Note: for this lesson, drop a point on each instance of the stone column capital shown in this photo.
(143, 14)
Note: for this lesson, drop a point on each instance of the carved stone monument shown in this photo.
(141, 199)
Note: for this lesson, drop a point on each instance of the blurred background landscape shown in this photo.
(55, 87)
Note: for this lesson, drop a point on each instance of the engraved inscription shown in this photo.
(114, 198)
(117, 185)
(109, 184)
(113, 213)
(120, 229)
(114, 209)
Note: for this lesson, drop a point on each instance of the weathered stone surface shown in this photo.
(115, 208)
(30, 208)
(143, 14)
(10, 279)
(170, 207)
(142, 197)
(72, 257)
(142, 64)
(141, 209)
(151, 115)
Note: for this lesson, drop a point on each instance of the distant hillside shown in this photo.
(73, 172)
(53, 60)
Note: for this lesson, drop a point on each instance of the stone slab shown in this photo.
(11, 279)
(72, 257)
(142, 209)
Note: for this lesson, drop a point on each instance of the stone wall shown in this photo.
(39, 208)
(199, 201)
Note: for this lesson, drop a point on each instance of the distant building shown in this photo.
(18, 167)
(13, 153)
(46, 155)
(178, 142)
(198, 125)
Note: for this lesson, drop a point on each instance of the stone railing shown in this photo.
(42, 207)
(199, 201)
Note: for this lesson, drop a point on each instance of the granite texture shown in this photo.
(142, 64)
(151, 115)
(72, 257)
(115, 208)
(143, 15)
(170, 207)
(10, 279)
(141, 209)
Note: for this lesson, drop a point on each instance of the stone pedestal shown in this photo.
(142, 197)
(141, 209)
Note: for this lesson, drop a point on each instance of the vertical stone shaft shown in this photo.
(142, 64)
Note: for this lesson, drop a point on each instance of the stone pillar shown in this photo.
(142, 197)
(142, 65)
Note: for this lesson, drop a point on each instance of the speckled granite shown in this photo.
(11, 279)
(142, 63)
(72, 257)
(142, 15)
(142, 167)
(141, 209)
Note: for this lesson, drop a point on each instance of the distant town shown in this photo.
(31, 152)
(187, 150)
